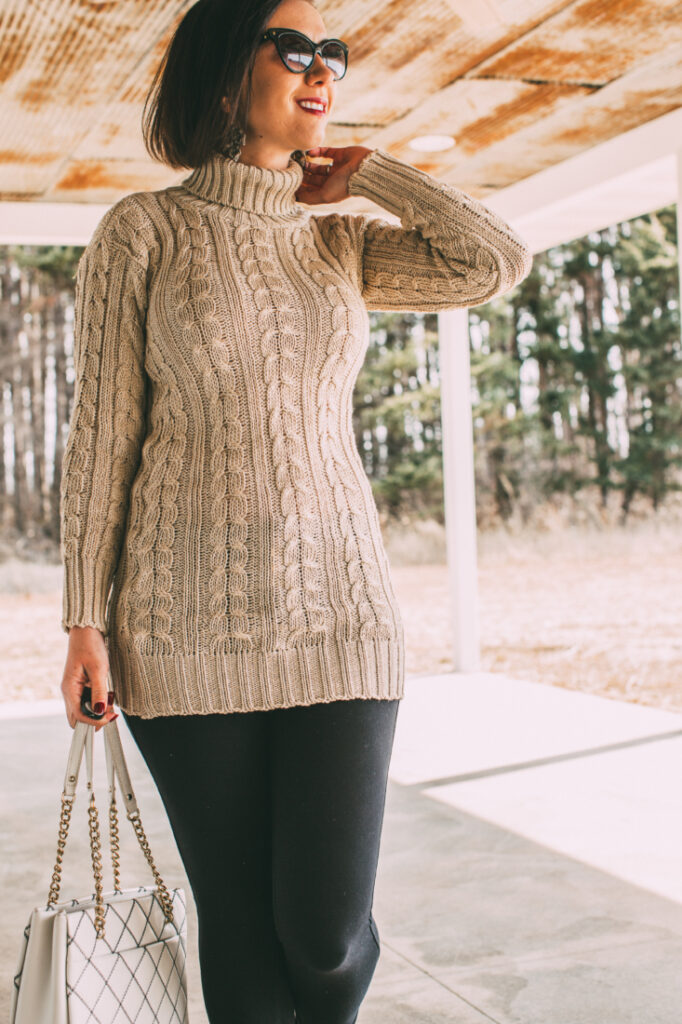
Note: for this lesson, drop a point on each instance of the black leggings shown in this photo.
(277, 816)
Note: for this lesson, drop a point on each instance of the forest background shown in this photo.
(576, 389)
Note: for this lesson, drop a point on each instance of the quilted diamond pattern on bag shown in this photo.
(137, 971)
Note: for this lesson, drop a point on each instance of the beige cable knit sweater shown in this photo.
(211, 472)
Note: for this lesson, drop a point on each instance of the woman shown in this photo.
(252, 632)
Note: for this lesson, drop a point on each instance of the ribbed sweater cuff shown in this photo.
(85, 594)
(380, 176)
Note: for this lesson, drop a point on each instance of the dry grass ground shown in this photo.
(590, 609)
(587, 609)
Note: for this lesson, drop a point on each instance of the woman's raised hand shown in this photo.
(328, 183)
(87, 664)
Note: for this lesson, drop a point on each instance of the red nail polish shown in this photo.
(99, 707)
(110, 697)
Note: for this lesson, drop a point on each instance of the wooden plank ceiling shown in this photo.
(520, 84)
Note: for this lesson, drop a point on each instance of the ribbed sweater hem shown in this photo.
(152, 686)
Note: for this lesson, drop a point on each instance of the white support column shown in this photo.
(679, 225)
(458, 474)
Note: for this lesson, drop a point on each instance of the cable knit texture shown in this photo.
(217, 524)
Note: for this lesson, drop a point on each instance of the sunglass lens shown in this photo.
(298, 54)
(334, 57)
(295, 51)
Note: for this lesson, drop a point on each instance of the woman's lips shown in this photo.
(309, 110)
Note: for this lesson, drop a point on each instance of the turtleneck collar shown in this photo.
(265, 190)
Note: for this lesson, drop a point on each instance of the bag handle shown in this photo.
(82, 742)
(116, 766)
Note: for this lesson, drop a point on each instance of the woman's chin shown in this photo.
(311, 140)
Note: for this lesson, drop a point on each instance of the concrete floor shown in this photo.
(530, 866)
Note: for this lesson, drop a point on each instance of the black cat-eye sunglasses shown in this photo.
(297, 52)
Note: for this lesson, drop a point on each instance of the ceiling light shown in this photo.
(432, 143)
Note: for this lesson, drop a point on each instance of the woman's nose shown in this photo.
(319, 71)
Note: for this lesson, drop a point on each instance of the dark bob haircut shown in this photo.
(211, 55)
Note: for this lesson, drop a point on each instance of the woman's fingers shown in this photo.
(72, 687)
(74, 714)
(317, 171)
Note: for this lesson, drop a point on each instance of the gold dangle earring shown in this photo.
(236, 137)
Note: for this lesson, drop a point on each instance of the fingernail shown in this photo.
(110, 697)
(99, 707)
(114, 717)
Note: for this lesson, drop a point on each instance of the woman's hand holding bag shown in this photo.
(109, 956)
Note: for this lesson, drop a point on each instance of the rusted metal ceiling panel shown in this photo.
(477, 113)
(520, 85)
(590, 42)
(65, 64)
(652, 90)
(403, 52)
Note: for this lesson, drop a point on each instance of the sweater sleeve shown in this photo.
(449, 251)
(108, 415)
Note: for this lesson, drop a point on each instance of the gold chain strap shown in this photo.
(62, 833)
(96, 851)
(162, 892)
(114, 843)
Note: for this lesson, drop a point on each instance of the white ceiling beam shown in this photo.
(36, 223)
(628, 175)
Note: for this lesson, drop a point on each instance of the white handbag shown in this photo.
(111, 957)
